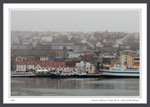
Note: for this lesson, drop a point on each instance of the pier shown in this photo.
(34, 75)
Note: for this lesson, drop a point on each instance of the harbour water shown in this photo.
(75, 87)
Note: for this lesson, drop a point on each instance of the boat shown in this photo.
(42, 71)
(121, 71)
(82, 75)
(62, 74)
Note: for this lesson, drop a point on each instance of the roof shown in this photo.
(87, 56)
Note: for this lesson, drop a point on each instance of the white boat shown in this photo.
(41, 71)
(64, 73)
(121, 71)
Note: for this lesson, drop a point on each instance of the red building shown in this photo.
(87, 56)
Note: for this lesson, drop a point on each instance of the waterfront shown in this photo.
(75, 87)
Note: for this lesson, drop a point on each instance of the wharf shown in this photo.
(94, 75)
(34, 75)
(23, 75)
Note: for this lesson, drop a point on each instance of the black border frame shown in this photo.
(75, 1)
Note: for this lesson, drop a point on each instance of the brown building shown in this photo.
(129, 60)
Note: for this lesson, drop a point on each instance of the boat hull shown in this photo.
(106, 73)
(53, 75)
(82, 76)
(60, 76)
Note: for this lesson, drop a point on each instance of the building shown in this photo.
(39, 65)
(13, 63)
(99, 45)
(119, 41)
(80, 47)
(128, 60)
(72, 63)
(109, 55)
(57, 47)
(30, 58)
(46, 39)
(136, 61)
(86, 66)
(21, 46)
(109, 41)
(21, 58)
(50, 59)
(75, 55)
(32, 52)
(115, 45)
(61, 54)
(43, 58)
(88, 56)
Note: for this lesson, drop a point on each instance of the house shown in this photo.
(20, 66)
(74, 54)
(21, 58)
(109, 41)
(43, 58)
(61, 54)
(49, 65)
(115, 45)
(119, 41)
(88, 55)
(88, 67)
(24, 65)
(99, 45)
(79, 47)
(46, 39)
(21, 46)
(58, 47)
(72, 63)
(39, 65)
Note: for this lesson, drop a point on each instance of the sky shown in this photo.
(76, 20)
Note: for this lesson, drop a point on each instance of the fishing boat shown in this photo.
(121, 71)
(63, 74)
(82, 75)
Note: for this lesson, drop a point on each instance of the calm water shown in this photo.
(74, 87)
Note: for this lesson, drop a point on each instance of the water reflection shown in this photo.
(74, 87)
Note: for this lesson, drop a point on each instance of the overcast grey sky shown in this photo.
(73, 20)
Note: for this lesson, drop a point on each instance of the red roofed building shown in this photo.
(26, 65)
(87, 56)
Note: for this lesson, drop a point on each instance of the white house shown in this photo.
(30, 67)
(99, 45)
(38, 67)
(88, 67)
(27, 65)
(21, 67)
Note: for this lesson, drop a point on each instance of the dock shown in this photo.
(94, 75)
(34, 75)
(23, 75)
